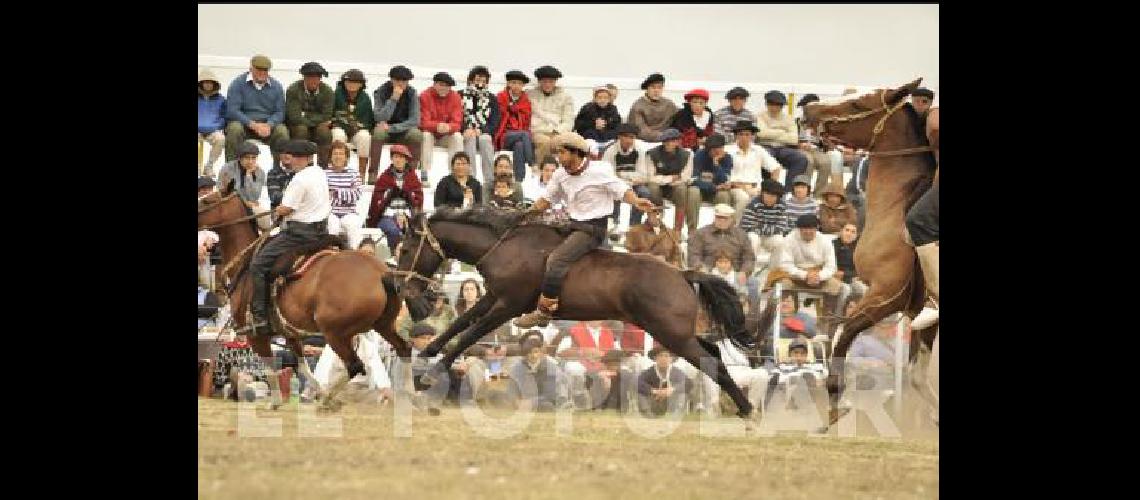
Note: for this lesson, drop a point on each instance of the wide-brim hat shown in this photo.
(571, 140)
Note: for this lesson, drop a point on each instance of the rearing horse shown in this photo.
(636, 288)
(340, 295)
(902, 168)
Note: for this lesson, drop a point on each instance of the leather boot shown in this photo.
(928, 259)
(259, 305)
(541, 316)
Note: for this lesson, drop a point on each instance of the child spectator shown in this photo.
(597, 121)
(835, 211)
(799, 201)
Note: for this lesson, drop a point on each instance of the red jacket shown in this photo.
(413, 192)
(516, 117)
(633, 338)
(435, 110)
(580, 337)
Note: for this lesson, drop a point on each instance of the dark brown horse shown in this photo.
(339, 296)
(902, 168)
(636, 288)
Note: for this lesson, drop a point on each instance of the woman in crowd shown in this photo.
(459, 189)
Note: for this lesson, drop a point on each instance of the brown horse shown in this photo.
(511, 257)
(339, 295)
(902, 168)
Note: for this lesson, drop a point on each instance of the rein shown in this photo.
(425, 234)
(890, 110)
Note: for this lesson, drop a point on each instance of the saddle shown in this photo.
(293, 264)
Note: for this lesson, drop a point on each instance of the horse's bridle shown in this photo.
(890, 110)
(425, 235)
(230, 223)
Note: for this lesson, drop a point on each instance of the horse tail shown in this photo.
(722, 302)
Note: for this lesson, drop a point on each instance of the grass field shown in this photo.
(599, 458)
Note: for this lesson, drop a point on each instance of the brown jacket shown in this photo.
(832, 220)
(708, 242)
(641, 239)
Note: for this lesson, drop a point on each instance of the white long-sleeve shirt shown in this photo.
(747, 167)
(798, 256)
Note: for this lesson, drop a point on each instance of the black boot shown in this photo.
(259, 305)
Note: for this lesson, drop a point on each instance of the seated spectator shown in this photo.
(248, 180)
(255, 109)
(845, 259)
(421, 335)
(480, 118)
(652, 112)
(750, 165)
(597, 121)
(552, 112)
(808, 261)
(796, 370)
(211, 120)
(709, 184)
(765, 220)
(753, 381)
(309, 110)
(799, 201)
(662, 388)
(793, 322)
(630, 163)
(503, 196)
(614, 385)
(722, 269)
(353, 116)
(237, 366)
(670, 168)
(277, 178)
(396, 196)
(826, 160)
(654, 239)
(589, 341)
(781, 137)
(725, 119)
(537, 378)
(469, 293)
(502, 167)
(441, 119)
(722, 236)
(205, 186)
(694, 120)
(535, 186)
(442, 315)
(397, 114)
(459, 189)
(344, 190)
(208, 304)
(835, 213)
(514, 129)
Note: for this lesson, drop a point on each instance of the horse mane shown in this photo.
(498, 220)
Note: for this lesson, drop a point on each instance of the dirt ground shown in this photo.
(599, 457)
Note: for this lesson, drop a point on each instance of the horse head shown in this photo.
(857, 122)
(417, 256)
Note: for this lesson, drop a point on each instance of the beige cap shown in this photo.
(723, 210)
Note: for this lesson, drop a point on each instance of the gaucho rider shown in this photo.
(588, 189)
(922, 218)
(304, 208)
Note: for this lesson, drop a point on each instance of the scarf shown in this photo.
(476, 107)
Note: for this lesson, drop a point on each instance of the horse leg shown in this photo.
(468, 317)
(302, 365)
(341, 343)
(260, 344)
(498, 314)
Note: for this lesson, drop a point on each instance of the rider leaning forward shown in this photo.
(588, 190)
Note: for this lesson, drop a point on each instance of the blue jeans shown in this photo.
(519, 143)
(794, 161)
(391, 231)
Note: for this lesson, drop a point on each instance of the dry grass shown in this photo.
(601, 458)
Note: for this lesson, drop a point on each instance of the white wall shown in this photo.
(793, 48)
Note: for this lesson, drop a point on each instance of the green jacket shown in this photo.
(308, 110)
(361, 117)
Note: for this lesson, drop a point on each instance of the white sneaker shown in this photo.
(925, 319)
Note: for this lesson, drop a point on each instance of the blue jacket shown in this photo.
(247, 104)
(702, 162)
(211, 113)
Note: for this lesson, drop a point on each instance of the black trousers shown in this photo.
(591, 236)
(294, 235)
(922, 218)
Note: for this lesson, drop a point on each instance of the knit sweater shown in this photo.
(797, 208)
(726, 119)
(703, 163)
(551, 113)
(799, 256)
(664, 164)
(245, 103)
(779, 131)
(631, 166)
(435, 110)
(585, 124)
(845, 258)
(651, 117)
(764, 220)
(480, 109)
(275, 181)
(308, 109)
(355, 115)
(402, 114)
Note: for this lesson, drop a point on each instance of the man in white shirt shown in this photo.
(588, 188)
(750, 165)
(305, 208)
(808, 261)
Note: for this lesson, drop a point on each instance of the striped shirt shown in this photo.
(765, 220)
(724, 120)
(796, 209)
(344, 188)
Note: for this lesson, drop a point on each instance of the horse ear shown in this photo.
(895, 95)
